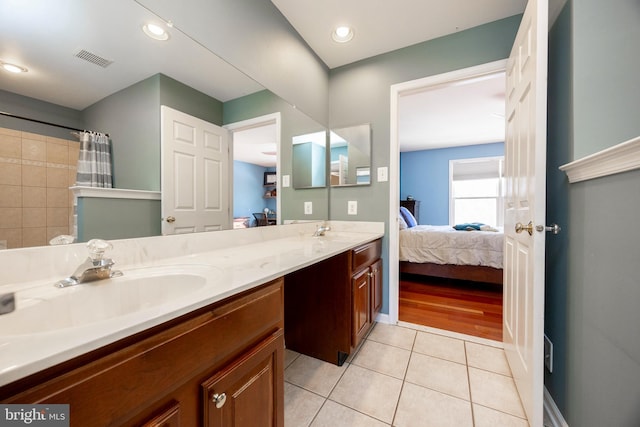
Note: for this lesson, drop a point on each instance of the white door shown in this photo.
(195, 174)
(525, 162)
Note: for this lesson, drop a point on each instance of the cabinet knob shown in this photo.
(219, 399)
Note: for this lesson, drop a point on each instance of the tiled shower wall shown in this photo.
(36, 172)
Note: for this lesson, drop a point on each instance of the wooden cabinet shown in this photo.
(330, 306)
(361, 310)
(245, 392)
(161, 376)
(366, 281)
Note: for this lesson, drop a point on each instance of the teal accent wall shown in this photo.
(110, 219)
(559, 142)
(593, 286)
(132, 119)
(293, 123)
(425, 175)
(360, 93)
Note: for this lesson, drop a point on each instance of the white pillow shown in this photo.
(402, 224)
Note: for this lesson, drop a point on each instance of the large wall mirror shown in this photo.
(90, 66)
(350, 156)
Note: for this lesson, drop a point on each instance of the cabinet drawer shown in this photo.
(364, 255)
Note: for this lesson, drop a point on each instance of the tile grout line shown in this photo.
(404, 378)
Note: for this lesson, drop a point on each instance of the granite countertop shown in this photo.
(26, 348)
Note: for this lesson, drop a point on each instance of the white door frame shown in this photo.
(397, 91)
(254, 122)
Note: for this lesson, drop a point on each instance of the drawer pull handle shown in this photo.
(219, 399)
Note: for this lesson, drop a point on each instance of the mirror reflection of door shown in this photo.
(255, 145)
(195, 171)
(350, 155)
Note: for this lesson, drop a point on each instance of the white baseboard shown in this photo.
(552, 415)
(383, 318)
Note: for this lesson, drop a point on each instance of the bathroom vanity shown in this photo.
(211, 357)
(331, 305)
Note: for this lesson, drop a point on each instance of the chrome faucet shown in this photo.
(95, 267)
(321, 230)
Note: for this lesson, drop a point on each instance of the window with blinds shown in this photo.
(475, 189)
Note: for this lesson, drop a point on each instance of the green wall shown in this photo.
(593, 286)
(360, 93)
(293, 123)
(117, 218)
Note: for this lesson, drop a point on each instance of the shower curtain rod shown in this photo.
(3, 113)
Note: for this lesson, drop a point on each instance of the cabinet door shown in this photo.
(361, 306)
(376, 288)
(250, 391)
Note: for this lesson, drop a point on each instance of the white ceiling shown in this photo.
(465, 113)
(45, 35)
(451, 116)
(382, 25)
(256, 145)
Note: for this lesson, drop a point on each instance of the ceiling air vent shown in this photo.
(93, 58)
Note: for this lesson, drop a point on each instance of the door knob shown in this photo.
(171, 219)
(219, 399)
(529, 228)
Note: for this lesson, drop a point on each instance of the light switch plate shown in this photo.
(285, 180)
(352, 207)
(308, 208)
(383, 174)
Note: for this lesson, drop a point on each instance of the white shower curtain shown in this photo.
(94, 162)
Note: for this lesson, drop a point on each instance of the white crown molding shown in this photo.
(114, 193)
(619, 158)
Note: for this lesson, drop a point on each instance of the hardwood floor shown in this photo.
(466, 307)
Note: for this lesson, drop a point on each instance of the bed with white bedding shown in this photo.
(443, 251)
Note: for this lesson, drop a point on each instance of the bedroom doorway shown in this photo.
(457, 306)
(255, 147)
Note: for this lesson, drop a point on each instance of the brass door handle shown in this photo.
(528, 228)
(171, 219)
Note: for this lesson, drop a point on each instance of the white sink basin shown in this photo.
(57, 309)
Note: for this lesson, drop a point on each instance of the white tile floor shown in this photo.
(404, 377)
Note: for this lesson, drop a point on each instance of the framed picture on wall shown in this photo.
(270, 178)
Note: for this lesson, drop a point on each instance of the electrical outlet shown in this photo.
(352, 207)
(383, 174)
(285, 180)
(548, 354)
(308, 208)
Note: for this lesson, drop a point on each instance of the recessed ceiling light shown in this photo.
(342, 34)
(13, 68)
(156, 32)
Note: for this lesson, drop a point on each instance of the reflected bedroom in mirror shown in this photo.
(350, 156)
(105, 74)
